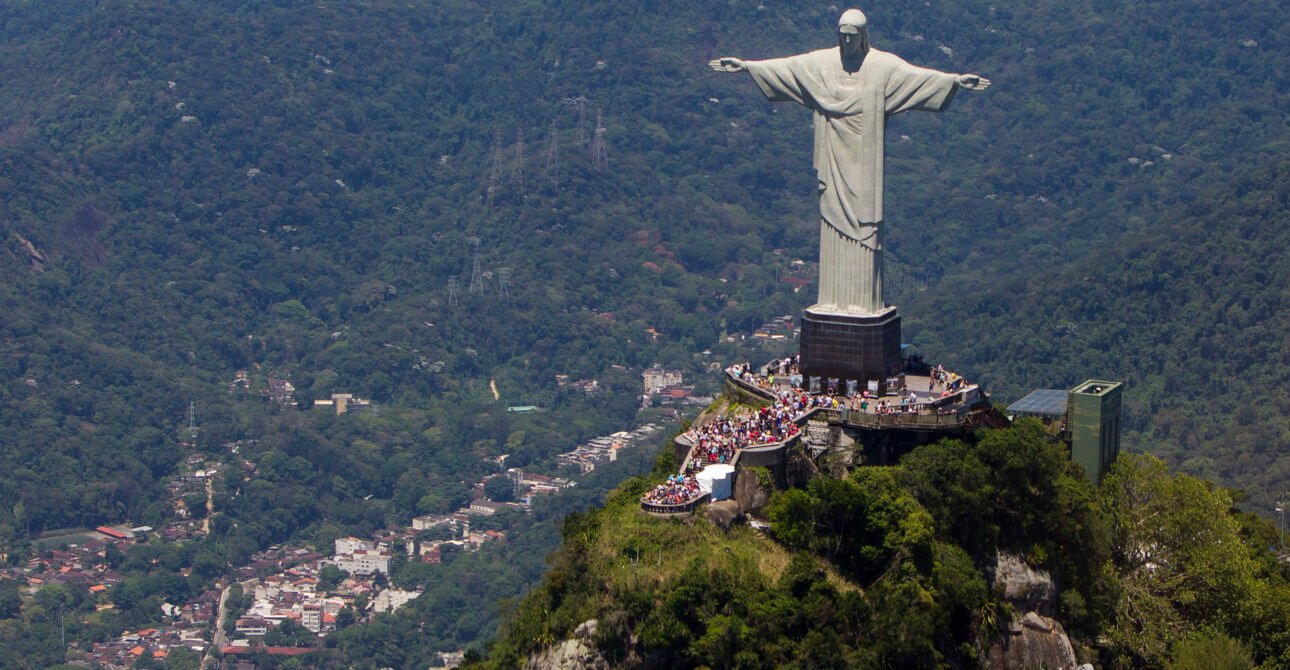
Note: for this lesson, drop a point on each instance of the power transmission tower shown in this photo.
(495, 175)
(452, 292)
(504, 282)
(192, 422)
(579, 106)
(599, 154)
(582, 124)
(553, 156)
(517, 168)
(476, 275)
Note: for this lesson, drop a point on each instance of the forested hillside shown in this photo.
(898, 567)
(191, 189)
(1192, 311)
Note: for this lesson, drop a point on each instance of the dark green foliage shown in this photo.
(1151, 569)
(1218, 652)
(1016, 490)
(1187, 310)
(10, 601)
(182, 658)
(862, 523)
(500, 489)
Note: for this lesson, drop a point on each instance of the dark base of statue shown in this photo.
(850, 347)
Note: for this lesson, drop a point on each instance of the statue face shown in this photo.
(853, 42)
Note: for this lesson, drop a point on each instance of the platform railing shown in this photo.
(664, 509)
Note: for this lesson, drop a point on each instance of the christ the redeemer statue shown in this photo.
(852, 90)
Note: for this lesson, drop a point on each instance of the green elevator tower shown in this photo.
(1093, 419)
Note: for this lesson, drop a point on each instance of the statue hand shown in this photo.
(972, 82)
(727, 65)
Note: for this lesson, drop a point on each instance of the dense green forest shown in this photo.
(189, 189)
(1191, 311)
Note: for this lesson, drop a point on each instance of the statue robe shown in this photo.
(851, 111)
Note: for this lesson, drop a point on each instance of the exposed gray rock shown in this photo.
(586, 630)
(1026, 588)
(749, 494)
(723, 513)
(576, 654)
(1033, 642)
(799, 468)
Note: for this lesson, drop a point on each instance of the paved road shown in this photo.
(219, 639)
(208, 661)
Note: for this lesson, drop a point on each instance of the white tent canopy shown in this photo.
(718, 480)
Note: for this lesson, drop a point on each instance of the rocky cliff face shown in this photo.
(748, 493)
(577, 653)
(1026, 588)
(1033, 639)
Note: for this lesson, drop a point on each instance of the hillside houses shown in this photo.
(362, 557)
(604, 449)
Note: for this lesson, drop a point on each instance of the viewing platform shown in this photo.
(933, 403)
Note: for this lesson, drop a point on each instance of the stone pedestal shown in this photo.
(862, 347)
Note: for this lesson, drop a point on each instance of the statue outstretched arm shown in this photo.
(727, 64)
(972, 82)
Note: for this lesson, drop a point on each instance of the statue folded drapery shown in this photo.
(852, 90)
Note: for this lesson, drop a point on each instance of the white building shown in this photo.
(364, 562)
(349, 545)
(656, 378)
(311, 617)
(392, 599)
(429, 521)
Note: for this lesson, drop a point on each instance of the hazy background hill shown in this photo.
(188, 189)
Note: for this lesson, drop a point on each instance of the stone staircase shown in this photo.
(817, 437)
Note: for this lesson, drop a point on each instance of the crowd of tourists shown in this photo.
(884, 407)
(718, 441)
(948, 381)
(676, 490)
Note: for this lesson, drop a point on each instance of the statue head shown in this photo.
(853, 33)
